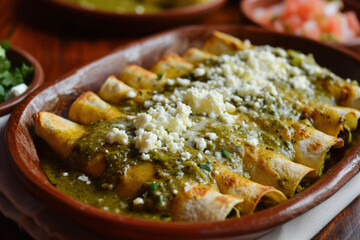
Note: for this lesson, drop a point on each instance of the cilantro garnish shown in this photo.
(154, 186)
(160, 75)
(5, 44)
(224, 153)
(11, 74)
(205, 166)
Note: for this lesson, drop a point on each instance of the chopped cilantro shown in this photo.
(154, 186)
(11, 75)
(5, 44)
(224, 153)
(287, 144)
(204, 166)
(160, 75)
(174, 172)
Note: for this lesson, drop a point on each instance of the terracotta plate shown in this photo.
(18, 56)
(26, 148)
(130, 22)
(248, 7)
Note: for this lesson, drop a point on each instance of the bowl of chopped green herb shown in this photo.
(20, 74)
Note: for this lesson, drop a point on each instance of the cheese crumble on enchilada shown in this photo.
(223, 131)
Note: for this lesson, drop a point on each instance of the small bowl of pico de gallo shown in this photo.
(331, 21)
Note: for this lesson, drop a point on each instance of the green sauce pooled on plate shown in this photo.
(135, 6)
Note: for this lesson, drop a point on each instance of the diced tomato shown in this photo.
(311, 29)
(316, 19)
(292, 23)
(305, 9)
(264, 15)
(333, 26)
(347, 33)
(353, 21)
(278, 26)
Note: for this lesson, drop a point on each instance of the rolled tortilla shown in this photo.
(333, 120)
(196, 56)
(115, 91)
(266, 166)
(222, 43)
(345, 94)
(202, 204)
(230, 182)
(171, 65)
(134, 178)
(88, 108)
(272, 169)
(59, 133)
(311, 146)
(140, 78)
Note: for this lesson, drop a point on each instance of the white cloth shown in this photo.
(40, 222)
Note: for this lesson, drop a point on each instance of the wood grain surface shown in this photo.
(62, 47)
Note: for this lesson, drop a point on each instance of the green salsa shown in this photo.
(143, 182)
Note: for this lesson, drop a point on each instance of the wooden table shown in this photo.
(60, 49)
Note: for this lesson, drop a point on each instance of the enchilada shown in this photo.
(199, 123)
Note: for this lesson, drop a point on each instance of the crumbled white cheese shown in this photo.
(65, 174)
(200, 156)
(170, 81)
(199, 72)
(85, 179)
(16, 91)
(185, 155)
(145, 156)
(146, 141)
(138, 201)
(162, 126)
(117, 136)
(252, 141)
(148, 103)
(183, 81)
(131, 94)
(300, 82)
(211, 136)
(142, 120)
(187, 187)
(200, 144)
(119, 125)
(210, 102)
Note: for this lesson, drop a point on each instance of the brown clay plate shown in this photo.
(26, 148)
(130, 22)
(248, 7)
(18, 56)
